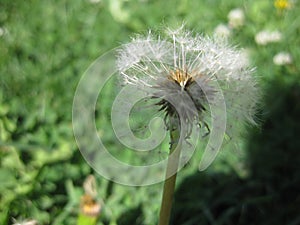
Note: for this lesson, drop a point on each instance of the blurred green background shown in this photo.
(45, 47)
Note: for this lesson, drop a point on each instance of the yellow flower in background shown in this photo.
(282, 4)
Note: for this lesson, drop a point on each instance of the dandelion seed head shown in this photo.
(264, 37)
(95, 1)
(222, 31)
(236, 18)
(25, 222)
(3, 31)
(181, 70)
(282, 58)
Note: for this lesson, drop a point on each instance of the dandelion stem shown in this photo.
(169, 185)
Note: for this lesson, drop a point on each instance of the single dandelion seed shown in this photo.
(186, 73)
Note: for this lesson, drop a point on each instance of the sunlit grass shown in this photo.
(45, 47)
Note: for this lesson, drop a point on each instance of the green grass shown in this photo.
(45, 49)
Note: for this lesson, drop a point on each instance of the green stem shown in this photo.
(169, 185)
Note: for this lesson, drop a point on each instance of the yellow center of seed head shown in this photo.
(182, 77)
